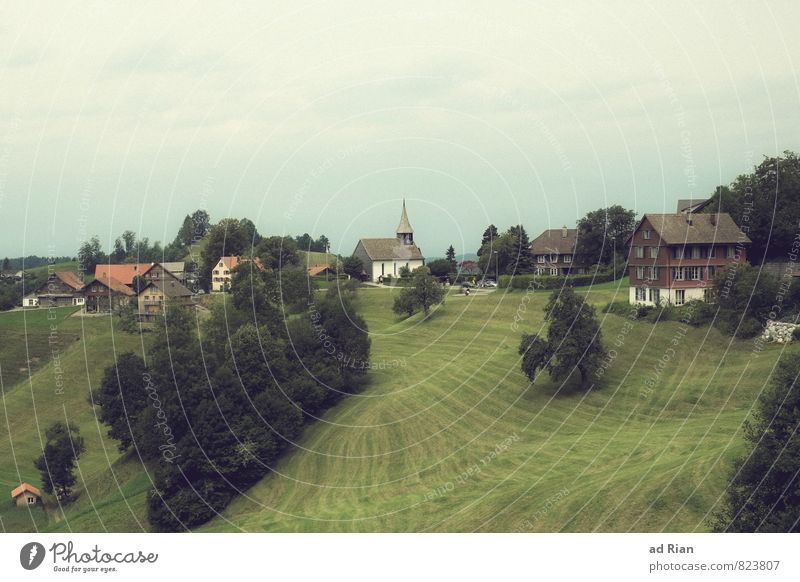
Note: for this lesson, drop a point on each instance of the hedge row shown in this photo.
(550, 282)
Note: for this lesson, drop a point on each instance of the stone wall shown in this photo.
(779, 331)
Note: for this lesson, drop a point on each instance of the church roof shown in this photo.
(405, 226)
(390, 248)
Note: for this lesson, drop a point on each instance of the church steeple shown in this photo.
(404, 231)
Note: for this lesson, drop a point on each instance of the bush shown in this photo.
(551, 282)
(796, 334)
(748, 328)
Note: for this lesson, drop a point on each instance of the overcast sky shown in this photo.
(320, 117)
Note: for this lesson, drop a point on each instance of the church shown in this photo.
(386, 256)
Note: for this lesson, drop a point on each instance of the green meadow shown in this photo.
(448, 435)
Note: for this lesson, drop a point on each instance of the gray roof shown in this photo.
(175, 267)
(390, 248)
(693, 204)
(405, 226)
(675, 228)
(553, 241)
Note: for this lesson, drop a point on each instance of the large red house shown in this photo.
(673, 258)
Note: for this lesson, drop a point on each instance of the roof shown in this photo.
(390, 248)
(692, 204)
(113, 284)
(124, 273)
(315, 270)
(70, 279)
(405, 226)
(675, 228)
(169, 287)
(175, 267)
(23, 488)
(232, 262)
(553, 241)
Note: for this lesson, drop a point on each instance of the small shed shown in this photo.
(26, 494)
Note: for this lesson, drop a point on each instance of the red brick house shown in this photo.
(673, 258)
(554, 252)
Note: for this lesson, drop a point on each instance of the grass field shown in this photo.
(448, 435)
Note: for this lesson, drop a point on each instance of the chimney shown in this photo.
(713, 219)
(564, 231)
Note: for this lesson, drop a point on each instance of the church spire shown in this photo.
(404, 231)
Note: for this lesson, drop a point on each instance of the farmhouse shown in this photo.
(674, 258)
(222, 274)
(157, 294)
(106, 294)
(386, 256)
(554, 252)
(26, 494)
(62, 289)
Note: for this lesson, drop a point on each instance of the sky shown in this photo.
(321, 117)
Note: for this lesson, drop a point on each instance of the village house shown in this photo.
(554, 252)
(673, 258)
(222, 273)
(157, 294)
(126, 273)
(62, 289)
(386, 256)
(26, 495)
(106, 294)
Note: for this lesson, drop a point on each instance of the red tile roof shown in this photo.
(124, 273)
(113, 284)
(25, 487)
(315, 270)
(232, 262)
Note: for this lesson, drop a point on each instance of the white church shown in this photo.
(386, 256)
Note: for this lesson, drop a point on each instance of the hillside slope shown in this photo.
(450, 436)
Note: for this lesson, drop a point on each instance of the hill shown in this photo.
(448, 436)
(451, 437)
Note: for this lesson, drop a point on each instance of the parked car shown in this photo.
(467, 285)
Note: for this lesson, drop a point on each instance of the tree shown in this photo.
(353, 267)
(423, 294)
(6, 264)
(521, 245)
(90, 254)
(600, 231)
(185, 235)
(764, 492)
(277, 252)
(122, 398)
(56, 464)
(322, 244)
(765, 203)
(129, 237)
(201, 221)
(489, 236)
(573, 340)
(440, 267)
(305, 242)
(745, 296)
(118, 254)
(450, 255)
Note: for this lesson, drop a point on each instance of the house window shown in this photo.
(653, 273)
(539, 271)
(567, 258)
(226, 272)
(639, 252)
(640, 273)
(31, 500)
(653, 252)
(680, 297)
(640, 294)
(677, 273)
(695, 273)
(554, 271)
(677, 252)
(540, 258)
(646, 234)
(712, 271)
(216, 272)
(553, 258)
(655, 295)
(730, 251)
(712, 252)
